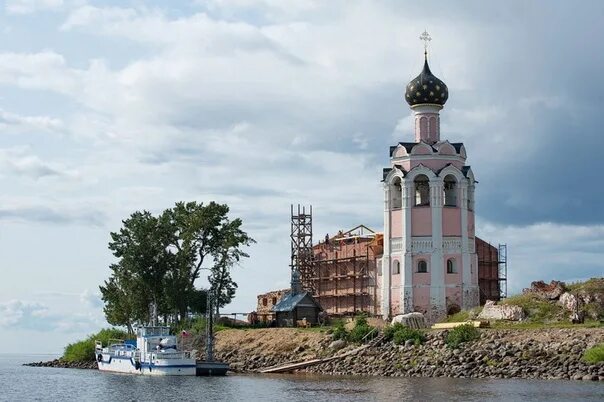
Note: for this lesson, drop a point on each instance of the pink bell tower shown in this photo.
(429, 262)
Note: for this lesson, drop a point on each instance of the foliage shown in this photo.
(339, 330)
(537, 309)
(594, 355)
(400, 333)
(461, 334)
(361, 330)
(161, 257)
(83, 351)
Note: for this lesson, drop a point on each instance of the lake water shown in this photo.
(19, 383)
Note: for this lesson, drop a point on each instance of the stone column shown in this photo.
(437, 269)
(407, 269)
(466, 275)
(386, 255)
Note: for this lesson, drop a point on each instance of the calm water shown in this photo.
(18, 383)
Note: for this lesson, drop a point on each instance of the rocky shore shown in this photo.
(58, 363)
(529, 354)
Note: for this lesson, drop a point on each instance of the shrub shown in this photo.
(405, 334)
(594, 355)
(399, 333)
(339, 330)
(461, 334)
(83, 351)
(361, 330)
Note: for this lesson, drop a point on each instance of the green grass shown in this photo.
(541, 325)
(594, 355)
(464, 315)
(461, 334)
(83, 351)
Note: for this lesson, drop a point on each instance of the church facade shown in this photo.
(429, 261)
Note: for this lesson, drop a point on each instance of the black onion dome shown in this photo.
(426, 89)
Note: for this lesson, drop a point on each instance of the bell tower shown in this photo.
(429, 262)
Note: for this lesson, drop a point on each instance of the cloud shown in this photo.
(19, 161)
(92, 300)
(22, 314)
(30, 6)
(15, 123)
(35, 213)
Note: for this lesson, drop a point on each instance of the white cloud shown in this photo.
(30, 6)
(17, 313)
(11, 123)
(20, 161)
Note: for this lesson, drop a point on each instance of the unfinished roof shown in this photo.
(291, 301)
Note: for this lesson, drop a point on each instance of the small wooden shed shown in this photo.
(298, 306)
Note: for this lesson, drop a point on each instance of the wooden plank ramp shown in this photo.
(283, 368)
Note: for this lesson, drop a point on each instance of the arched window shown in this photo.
(264, 301)
(451, 266)
(396, 267)
(450, 190)
(396, 195)
(422, 190)
(422, 266)
(274, 301)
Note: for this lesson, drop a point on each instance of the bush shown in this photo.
(461, 334)
(361, 330)
(339, 330)
(83, 351)
(594, 355)
(405, 334)
(399, 334)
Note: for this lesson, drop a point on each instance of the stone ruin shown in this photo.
(553, 291)
(492, 311)
(411, 320)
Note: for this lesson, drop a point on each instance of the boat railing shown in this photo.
(168, 356)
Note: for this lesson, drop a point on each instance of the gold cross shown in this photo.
(425, 36)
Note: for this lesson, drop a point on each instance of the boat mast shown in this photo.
(209, 329)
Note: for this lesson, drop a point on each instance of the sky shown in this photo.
(108, 107)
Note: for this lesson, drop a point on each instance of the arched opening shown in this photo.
(453, 309)
(450, 190)
(274, 301)
(422, 190)
(396, 267)
(396, 194)
(422, 267)
(451, 269)
(264, 301)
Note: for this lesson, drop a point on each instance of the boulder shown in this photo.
(337, 345)
(411, 320)
(492, 311)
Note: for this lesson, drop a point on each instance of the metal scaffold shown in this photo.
(503, 270)
(302, 258)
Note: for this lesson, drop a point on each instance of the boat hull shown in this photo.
(127, 365)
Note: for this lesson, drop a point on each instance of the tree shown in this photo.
(204, 234)
(160, 258)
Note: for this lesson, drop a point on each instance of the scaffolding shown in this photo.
(488, 271)
(302, 258)
(345, 278)
(503, 270)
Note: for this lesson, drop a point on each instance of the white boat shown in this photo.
(155, 353)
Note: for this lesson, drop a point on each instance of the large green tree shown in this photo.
(161, 257)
